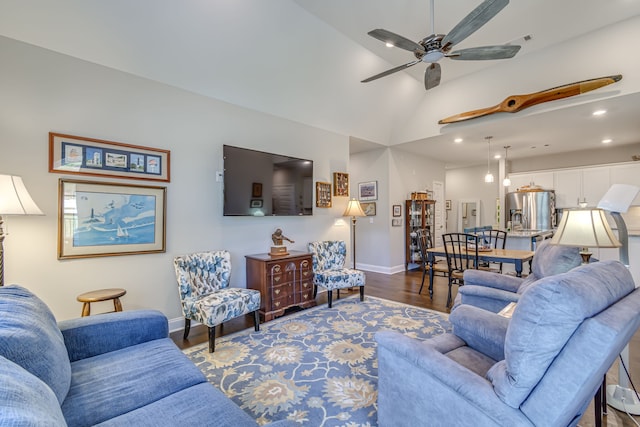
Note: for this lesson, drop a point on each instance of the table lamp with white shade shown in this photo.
(617, 201)
(585, 228)
(14, 200)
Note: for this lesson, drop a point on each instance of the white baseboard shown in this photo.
(177, 324)
(378, 269)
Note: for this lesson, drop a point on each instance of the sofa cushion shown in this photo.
(550, 260)
(29, 336)
(111, 384)
(546, 316)
(199, 405)
(25, 400)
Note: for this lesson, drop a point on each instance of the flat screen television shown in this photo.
(265, 184)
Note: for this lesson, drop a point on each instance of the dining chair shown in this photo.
(461, 250)
(425, 241)
(495, 239)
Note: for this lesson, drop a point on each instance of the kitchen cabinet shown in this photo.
(542, 179)
(568, 188)
(595, 183)
(419, 214)
(283, 282)
(627, 174)
(574, 185)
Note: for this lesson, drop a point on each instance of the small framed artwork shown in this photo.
(340, 184)
(447, 205)
(368, 190)
(396, 222)
(369, 208)
(104, 218)
(323, 194)
(397, 210)
(70, 154)
(256, 189)
(256, 203)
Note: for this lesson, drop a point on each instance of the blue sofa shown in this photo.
(116, 369)
(542, 367)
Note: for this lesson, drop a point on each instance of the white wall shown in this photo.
(46, 92)
(380, 247)
(468, 183)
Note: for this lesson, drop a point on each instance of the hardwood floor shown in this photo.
(403, 287)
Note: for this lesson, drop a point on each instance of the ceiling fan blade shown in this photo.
(391, 71)
(396, 40)
(485, 52)
(432, 76)
(473, 21)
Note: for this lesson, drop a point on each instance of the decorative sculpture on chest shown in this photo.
(278, 248)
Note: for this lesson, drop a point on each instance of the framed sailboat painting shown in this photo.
(105, 219)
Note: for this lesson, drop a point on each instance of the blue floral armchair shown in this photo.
(329, 270)
(203, 282)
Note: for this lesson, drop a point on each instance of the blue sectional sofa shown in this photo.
(116, 369)
(542, 367)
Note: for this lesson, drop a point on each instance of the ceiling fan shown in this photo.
(436, 46)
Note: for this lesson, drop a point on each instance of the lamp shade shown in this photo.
(353, 209)
(585, 228)
(14, 197)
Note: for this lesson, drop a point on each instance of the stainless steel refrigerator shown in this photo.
(531, 210)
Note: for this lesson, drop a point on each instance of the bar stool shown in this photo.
(101, 295)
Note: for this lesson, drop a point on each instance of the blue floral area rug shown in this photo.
(318, 367)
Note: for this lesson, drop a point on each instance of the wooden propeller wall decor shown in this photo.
(517, 103)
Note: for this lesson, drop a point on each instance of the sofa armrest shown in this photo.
(415, 379)
(492, 280)
(490, 299)
(92, 335)
(480, 329)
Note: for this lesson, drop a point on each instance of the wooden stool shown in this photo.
(101, 295)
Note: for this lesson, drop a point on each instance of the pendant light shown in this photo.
(506, 181)
(488, 178)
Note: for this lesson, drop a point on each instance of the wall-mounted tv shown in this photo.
(265, 184)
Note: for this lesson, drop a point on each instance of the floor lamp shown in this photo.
(14, 200)
(353, 210)
(616, 201)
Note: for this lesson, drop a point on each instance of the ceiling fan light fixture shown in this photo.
(433, 56)
(389, 44)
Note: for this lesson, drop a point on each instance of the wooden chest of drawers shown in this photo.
(283, 282)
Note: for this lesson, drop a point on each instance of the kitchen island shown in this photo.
(526, 239)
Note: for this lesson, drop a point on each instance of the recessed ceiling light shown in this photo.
(458, 140)
(497, 156)
(599, 112)
(607, 140)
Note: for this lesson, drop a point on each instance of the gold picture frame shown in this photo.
(323, 194)
(98, 219)
(369, 208)
(340, 184)
(69, 154)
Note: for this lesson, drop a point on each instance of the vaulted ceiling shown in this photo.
(304, 59)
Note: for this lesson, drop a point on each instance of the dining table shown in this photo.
(512, 256)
